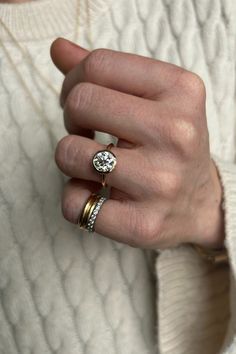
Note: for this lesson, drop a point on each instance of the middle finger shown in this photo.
(94, 107)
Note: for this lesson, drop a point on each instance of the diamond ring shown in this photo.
(104, 162)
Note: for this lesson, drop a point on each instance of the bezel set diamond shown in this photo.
(104, 161)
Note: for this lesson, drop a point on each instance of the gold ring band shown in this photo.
(104, 175)
(87, 210)
(90, 211)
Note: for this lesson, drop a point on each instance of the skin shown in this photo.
(165, 189)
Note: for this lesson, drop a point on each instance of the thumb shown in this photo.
(66, 54)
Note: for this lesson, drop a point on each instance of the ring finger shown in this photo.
(115, 219)
(74, 156)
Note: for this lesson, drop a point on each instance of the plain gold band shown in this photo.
(88, 209)
(104, 175)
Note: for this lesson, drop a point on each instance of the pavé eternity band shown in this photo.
(104, 162)
(90, 211)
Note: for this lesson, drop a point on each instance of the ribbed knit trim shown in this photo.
(227, 172)
(192, 307)
(41, 19)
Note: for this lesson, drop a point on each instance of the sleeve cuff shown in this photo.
(227, 173)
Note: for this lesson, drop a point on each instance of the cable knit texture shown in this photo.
(63, 291)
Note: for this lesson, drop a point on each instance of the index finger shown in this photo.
(129, 73)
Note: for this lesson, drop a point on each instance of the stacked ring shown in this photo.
(90, 211)
(104, 161)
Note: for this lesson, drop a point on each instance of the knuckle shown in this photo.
(65, 152)
(151, 231)
(95, 62)
(80, 97)
(171, 185)
(185, 137)
(78, 100)
(193, 84)
(68, 208)
(60, 152)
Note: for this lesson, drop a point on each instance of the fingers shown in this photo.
(90, 106)
(66, 54)
(125, 72)
(74, 156)
(115, 218)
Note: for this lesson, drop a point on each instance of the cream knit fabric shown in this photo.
(62, 291)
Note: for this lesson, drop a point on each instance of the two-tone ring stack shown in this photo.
(90, 212)
(104, 162)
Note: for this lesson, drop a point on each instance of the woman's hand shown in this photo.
(165, 188)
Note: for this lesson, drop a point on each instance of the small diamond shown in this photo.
(104, 161)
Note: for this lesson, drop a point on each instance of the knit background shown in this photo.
(62, 291)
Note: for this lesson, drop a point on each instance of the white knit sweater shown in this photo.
(63, 291)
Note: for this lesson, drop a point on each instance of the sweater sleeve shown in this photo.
(196, 305)
(227, 173)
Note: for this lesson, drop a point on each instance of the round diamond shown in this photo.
(104, 161)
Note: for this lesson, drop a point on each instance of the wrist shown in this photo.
(210, 222)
